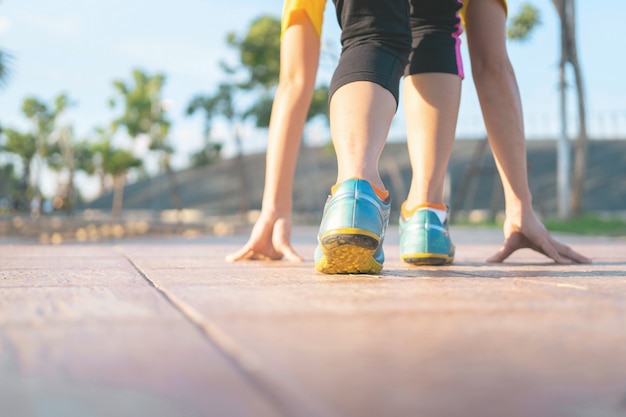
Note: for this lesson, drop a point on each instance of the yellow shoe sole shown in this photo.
(348, 251)
(427, 259)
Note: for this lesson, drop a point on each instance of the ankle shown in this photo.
(440, 209)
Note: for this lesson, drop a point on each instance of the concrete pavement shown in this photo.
(165, 327)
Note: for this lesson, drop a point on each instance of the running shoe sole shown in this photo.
(348, 251)
(427, 259)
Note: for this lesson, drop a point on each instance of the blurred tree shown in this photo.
(142, 107)
(99, 146)
(79, 157)
(113, 162)
(42, 119)
(523, 23)
(319, 103)
(206, 156)
(144, 114)
(259, 52)
(4, 67)
(84, 157)
(23, 145)
(210, 150)
(259, 68)
(60, 155)
(222, 104)
(10, 195)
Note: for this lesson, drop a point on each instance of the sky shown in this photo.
(79, 47)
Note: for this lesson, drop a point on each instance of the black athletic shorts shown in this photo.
(382, 40)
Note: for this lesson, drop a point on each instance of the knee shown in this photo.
(491, 70)
(295, 81)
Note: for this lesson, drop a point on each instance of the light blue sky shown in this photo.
(80, 46)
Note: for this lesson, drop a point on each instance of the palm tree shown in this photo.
(66, 154)
(144, 115)
(259, 52)
(116, 163)
(24, 145)
(43, 121)
(4, 67)
(59, 153)
(100, 145)
(523, 23)
(9, 188)
(210, 150)
(259, 65)
(222, 104)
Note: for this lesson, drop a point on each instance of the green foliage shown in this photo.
(211, 107)
(222, 103)
(259, 61)
(261, 111)
(523, 23)
(206, 103)
(319, 103)
(588, 225)
(114, 161)
(207, 155)
(54, 157)
(40, 115)
(259, 52)
(61, 103)
(121, 161)
(11, 189)
(5, 71)
(143, 113)
(84, 157)
(23, 145)
(81, 153)
(39, 142)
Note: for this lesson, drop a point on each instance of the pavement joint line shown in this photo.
(245, 363)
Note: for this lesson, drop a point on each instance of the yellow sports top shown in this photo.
(313, 8)
(315, 11)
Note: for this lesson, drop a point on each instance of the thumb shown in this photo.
(239, 255)
(503, 253)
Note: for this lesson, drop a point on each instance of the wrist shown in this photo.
(518, 207)
(274, 211)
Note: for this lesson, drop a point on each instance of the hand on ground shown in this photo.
(269, 241)
(531, 233)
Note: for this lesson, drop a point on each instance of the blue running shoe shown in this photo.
(425, 240)
(350, 239)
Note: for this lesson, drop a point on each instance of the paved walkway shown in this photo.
(165, 327)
